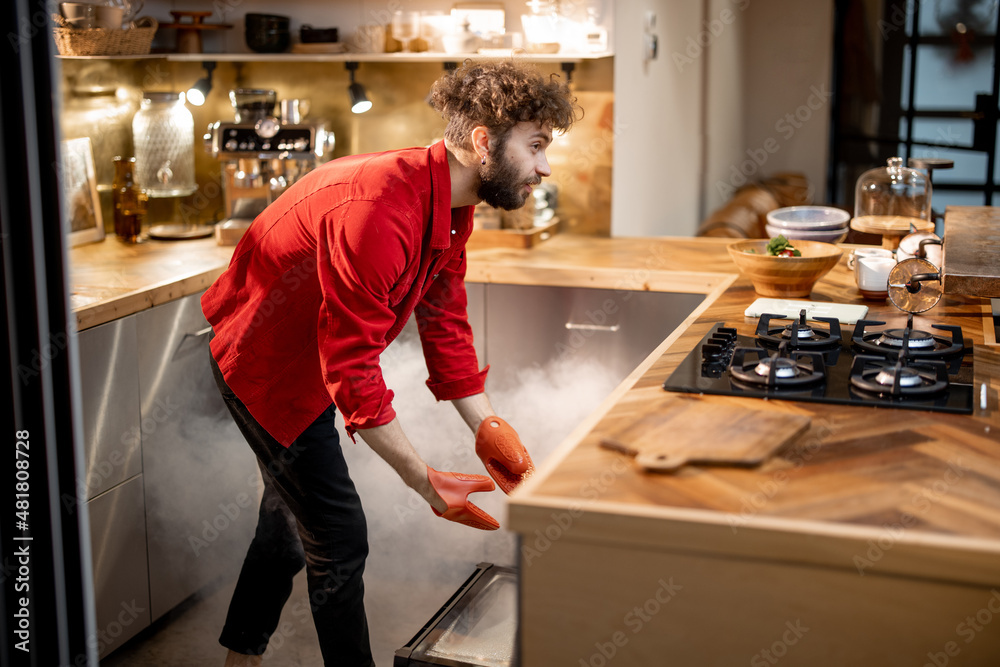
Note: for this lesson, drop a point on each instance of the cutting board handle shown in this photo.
(660, 461)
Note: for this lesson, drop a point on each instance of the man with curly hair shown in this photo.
(324, 279)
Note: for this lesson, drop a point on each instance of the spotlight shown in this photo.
(359, 99)
(197, 93)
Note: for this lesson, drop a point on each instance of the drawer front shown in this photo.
(110, 404)
(118, 547)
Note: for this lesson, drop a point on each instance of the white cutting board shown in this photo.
(846, 313)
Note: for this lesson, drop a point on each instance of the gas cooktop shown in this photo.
(877, 365)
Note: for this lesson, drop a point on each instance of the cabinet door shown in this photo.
(201, 477)
(111, 486)
(532, 325)
(110, 403)
(121, 580)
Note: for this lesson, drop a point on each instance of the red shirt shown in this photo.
(326, 277)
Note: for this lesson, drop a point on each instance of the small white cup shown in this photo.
(109, 18)
(871, 273)
(79, 15)
(866, 252)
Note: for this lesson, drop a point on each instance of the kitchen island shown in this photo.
(874, 538)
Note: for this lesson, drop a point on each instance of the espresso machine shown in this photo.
(262, 154)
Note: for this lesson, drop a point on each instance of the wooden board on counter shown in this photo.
(684, 429)
(971, 259)
(512, 238)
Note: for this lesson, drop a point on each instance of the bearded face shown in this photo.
(505, 183)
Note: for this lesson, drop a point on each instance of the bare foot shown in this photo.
(234, 659)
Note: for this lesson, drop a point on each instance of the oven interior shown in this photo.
(477, 626)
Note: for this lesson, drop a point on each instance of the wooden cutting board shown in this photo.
(683, 429)
(971, 259)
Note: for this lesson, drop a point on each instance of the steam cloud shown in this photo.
(418, 560)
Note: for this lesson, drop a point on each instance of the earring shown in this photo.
(484, 160)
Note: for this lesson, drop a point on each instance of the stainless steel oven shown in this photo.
(477, 626)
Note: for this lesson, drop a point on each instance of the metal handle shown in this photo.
(593, 327)
(199, 333)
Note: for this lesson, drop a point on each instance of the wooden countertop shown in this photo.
(921, 483)
(854, 476)
(111, 279)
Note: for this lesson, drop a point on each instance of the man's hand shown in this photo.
(454, 488)
(501, 451)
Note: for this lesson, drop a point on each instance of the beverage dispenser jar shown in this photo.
(163, 134)
(892, 201)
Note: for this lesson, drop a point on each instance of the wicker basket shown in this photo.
(134, 41)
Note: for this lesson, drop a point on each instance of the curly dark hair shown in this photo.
(498, 95)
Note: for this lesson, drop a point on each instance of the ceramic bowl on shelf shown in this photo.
(784, 276)
(823, 235)
(808, 218)
(267, 33)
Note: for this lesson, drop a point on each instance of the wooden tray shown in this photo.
(511, 238)
(683, 429)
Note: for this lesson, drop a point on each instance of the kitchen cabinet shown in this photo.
(111, 485)
(528, 325)
(170, 486)
(201, 479)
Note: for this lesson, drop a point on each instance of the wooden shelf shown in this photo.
(423, 57)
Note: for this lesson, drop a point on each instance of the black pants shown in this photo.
(310, 515)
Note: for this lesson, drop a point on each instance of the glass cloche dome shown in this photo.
(893, 197)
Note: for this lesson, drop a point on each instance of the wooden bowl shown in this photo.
(784, 276)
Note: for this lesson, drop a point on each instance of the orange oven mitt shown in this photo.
(501, 451)
(454, 488)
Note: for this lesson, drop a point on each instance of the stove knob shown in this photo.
(728, 332)
(232, 145)
(710, 352)
(721, 341)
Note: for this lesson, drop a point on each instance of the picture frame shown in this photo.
(80, 206)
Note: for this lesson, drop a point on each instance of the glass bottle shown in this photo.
(129, 201)
(163, 134)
